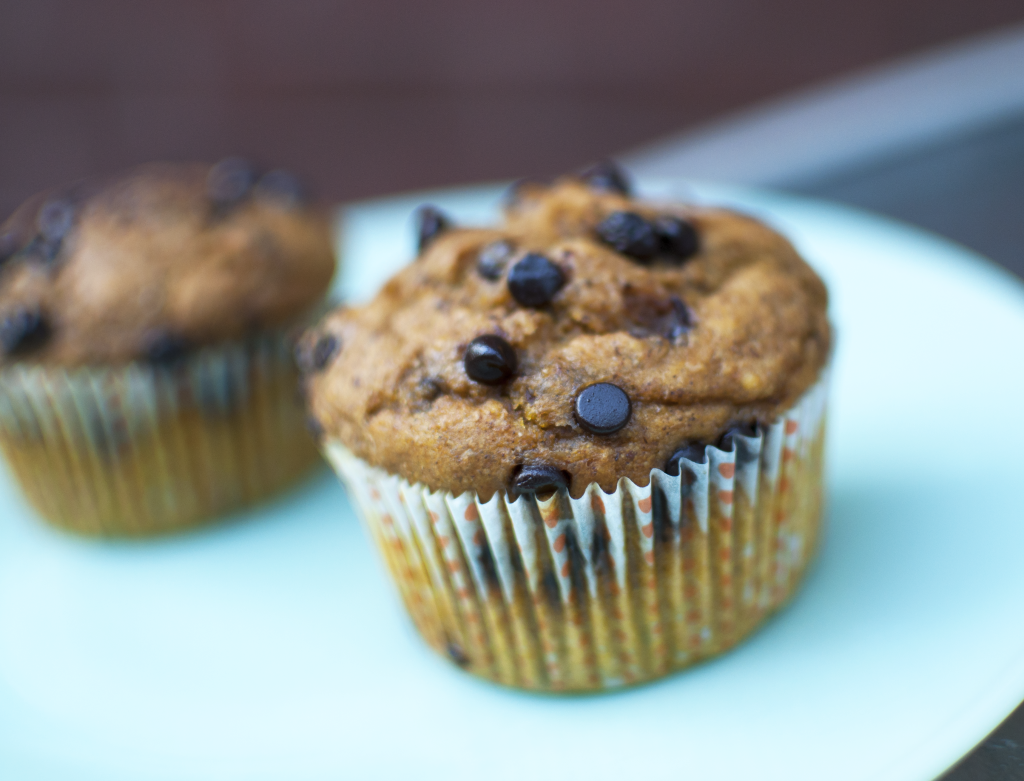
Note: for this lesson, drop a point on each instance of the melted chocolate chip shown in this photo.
(630, 234)
(22, 331)
(692, 451)
(489, 360)
(538, 478)
(607, 176)
(668, 317)
(603, 408)
(55, 220)
(681, 321)
(493, 259)
(230, 182)
(323, 351)
(456, 654)
(281, 187)
(10, 243)
(745, 429)
(535, 280)
(431, 222)
(163, 348)
(677, 238)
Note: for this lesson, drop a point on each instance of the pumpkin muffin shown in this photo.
(589, 439)
(146, 381)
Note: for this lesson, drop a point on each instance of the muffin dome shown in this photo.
(153, 262)
(588, 337)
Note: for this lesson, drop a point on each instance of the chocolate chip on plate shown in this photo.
(535, 280)
(22, 331)
(489, 360)
(692, 451)
(677, 237)
(603, 408)
(630, 234)
(493, 259)
(430, 223)
(230, 182)
(164, 348)
(56, 217)
(607, 176)
(281, 187)
(538, 478)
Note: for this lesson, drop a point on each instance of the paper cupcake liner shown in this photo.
(610, 589)
(138, 449)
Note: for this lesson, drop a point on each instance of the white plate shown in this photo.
(274, 648)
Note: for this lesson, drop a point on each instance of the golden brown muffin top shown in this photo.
(158, 260)
(701, 336)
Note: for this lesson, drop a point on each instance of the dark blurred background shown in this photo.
(364, 98)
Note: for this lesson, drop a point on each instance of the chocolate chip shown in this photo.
(430, 222)
(678, 239)
(456, 654)
(55, 220)
(314, 428)
(535, 280)
(691, 451)
(603, 408)
(538, 478)
(230, 181)
(281, 187)
(324, 350)
(163, 348)
(607, 176)
(489, 360)
(22, 331)
(630, 234)
(493, 259)
(10, 243)
(680, 322)
(745, 429)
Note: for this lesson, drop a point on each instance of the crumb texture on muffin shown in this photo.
(156, 261)
(704, 318)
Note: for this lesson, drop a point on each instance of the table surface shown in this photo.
(937, 141)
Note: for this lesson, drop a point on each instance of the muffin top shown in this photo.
(589, 337)
(161, 259)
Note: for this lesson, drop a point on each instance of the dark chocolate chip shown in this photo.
(603, 408)
(42, 250)
(745, 429)
(489, 360)
(538, 478)
(55, 220)
(680, 322)
(10, 243)
(163, 348)
(607, 176)
(692, 451)
(324, 350)
(493, 259)
(430, 223)
(314, 428)
(456, 654)
(630, 234)
(22, 331)
(230, 182)
(677, 238)
(281, 187)
(535, 280)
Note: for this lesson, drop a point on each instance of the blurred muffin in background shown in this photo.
(146, 377)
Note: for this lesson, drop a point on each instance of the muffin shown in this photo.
(588, 442)
(146, 374)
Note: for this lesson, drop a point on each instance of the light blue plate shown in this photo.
(275, 649)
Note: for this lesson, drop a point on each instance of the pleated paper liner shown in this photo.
(606, 590)
(138, 449)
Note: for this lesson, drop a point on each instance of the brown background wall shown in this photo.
(368, 97)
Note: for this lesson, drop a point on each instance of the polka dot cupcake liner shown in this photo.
(143, 449)
(610, 589)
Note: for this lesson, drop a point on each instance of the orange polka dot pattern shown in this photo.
(604, 590)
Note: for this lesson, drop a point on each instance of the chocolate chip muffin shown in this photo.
(146, 382)
(588, 440)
